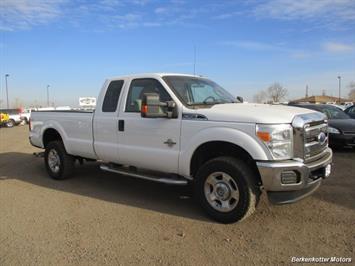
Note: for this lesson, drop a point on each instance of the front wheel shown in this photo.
(59, 163)
(226, 189)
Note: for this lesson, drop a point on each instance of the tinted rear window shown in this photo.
(112, 95)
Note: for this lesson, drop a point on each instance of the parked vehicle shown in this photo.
(4, 118)
(347, 104)
(350, 111)
(179, 129)
(341, 107)
(341, 127)
(25, 115)
(14, 117)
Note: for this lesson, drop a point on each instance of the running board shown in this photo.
(164, 180)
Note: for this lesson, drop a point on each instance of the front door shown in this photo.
(149, 143)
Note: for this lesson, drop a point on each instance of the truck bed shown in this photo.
(75, 127)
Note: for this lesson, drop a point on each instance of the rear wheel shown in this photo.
(10, 123)
(226, 189)
(59, 163)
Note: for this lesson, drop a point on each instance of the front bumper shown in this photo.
(309, 178)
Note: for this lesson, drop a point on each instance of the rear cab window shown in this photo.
(112, 96)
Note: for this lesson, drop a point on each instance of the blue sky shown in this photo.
(243, 45)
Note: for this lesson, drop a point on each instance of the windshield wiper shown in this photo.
(210, 103)
(204, 103)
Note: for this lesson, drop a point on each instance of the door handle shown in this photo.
(120, 125)
(170, 142)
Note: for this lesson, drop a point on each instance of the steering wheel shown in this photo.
(209, 97)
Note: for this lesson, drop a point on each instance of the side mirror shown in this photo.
(152, 107)
(240, 99)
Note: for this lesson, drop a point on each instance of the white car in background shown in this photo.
(14, 117)
(341, 106)
(347, 104)
(25, 115)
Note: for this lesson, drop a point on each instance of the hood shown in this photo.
(347, 125)
(252, 113)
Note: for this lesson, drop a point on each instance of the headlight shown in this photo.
(333, 130)
(278, 139)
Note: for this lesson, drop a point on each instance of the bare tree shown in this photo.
(352, 90)
(260, 97)
(276, 92)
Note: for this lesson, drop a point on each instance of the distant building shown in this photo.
(320, 99)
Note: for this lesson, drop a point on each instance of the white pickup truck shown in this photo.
(180, 129)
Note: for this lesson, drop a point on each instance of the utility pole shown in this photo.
(48, 95)
(306, 91)
(194, 59)
(339, 78)
(7, 91)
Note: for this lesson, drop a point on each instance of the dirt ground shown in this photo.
(98, 218)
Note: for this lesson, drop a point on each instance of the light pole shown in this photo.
(339, 78)
(194, 59)
(7, 91)
(48, 95)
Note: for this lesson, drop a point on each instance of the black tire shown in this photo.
(66, 161)
(244, 179)
(10, 123)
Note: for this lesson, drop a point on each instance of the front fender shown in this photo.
(225, 134)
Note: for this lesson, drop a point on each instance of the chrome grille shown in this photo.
(312, 144)
(309, 143)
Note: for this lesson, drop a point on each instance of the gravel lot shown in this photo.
(98, 218)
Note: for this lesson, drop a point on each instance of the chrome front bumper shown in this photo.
(310, 176)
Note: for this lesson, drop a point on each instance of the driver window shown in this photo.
(138, 88)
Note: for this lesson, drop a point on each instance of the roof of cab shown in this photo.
(152, 75)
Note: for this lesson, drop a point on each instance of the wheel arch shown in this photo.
(49, 135)
(213, 149)
(224, 141)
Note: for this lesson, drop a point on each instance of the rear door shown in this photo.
(105, 124)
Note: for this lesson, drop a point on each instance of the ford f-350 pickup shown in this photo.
(180, 129)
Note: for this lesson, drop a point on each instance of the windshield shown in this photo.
(333, 112)
(198, 91)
